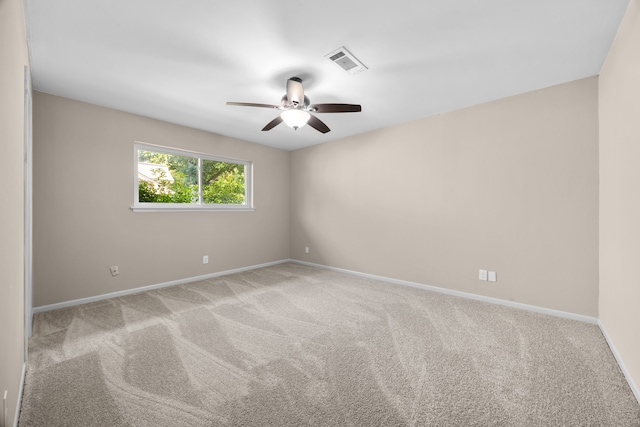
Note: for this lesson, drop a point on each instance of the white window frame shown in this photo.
(191, 207)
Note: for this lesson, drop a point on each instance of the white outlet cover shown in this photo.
(205, 259)
(493, 276)
(482, 275)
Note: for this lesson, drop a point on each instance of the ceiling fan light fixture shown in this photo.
(295, 118)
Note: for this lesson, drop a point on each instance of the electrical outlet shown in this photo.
(306, 249)
(205, 259)
(114, 270)
(493, 276)
(482, 275)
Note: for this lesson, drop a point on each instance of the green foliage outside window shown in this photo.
(222, 182)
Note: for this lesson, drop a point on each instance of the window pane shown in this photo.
(167, 178)
(191, 180)
(222, 183)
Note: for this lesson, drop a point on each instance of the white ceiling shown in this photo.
(180, 61)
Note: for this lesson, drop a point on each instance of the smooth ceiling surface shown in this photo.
(181, 61)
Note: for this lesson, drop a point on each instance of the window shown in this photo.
(172, 179)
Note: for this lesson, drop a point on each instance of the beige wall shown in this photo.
(13, 58)
(83, 191)
(620, 193)
(509, 186)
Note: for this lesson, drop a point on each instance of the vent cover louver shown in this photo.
(345, 60)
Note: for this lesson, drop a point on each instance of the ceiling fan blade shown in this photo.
(252, 104)
(318, 124)
(273, 123)
(335, 108)
(295, 92)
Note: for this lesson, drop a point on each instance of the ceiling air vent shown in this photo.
(345, 60)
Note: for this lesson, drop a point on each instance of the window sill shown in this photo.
(222, 208)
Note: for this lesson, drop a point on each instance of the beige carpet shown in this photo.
(291, 345)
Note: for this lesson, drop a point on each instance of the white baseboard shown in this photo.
(20, 391)
(621, 364)
(537, 309)
(79, 301)
(534, 308)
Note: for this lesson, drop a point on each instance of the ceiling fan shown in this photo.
(296, 109)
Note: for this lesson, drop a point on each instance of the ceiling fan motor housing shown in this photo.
(295, 92)
(284, 101)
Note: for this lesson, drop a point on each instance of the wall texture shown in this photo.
(509, 186)
(13, 58)
(619, 193)
(83, 191)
